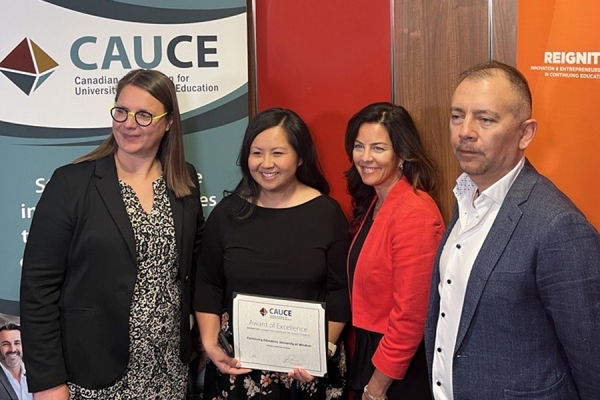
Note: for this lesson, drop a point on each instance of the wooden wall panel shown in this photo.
(504, 28)
(433, 42)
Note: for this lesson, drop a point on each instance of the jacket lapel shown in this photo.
(7, 386)
(438, 255)
(433, 310)
(434, 295)
(108, 187)
(494, 245)
(177, 211)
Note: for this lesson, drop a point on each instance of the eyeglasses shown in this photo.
(142, 118)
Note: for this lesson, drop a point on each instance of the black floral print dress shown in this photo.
(277, 385)
(154, 370)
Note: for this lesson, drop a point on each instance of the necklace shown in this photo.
(377, 207)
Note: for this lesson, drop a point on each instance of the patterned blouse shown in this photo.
(154, 370)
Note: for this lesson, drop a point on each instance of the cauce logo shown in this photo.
(28, 66)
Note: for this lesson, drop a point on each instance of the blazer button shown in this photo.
(187, 278)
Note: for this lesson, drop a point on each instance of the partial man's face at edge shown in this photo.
(11, 353)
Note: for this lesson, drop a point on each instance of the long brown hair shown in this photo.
(418, 168)
(170, 151)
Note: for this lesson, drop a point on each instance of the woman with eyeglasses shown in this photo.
(105, 288)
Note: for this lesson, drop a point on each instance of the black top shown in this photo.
(297, 252)
(357, 246)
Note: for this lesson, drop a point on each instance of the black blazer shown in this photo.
(79, 272)
(6, 390)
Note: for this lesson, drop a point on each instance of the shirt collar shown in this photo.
(466, 188)
(7, 372)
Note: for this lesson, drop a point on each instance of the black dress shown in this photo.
(297, 252)
(415, 385)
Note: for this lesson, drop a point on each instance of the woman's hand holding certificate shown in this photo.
(301, 375)
(280, 335)
(226, 364)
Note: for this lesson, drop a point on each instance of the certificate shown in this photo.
(277, 334)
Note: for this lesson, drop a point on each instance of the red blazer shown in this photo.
(390, 291)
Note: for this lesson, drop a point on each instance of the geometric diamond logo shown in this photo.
(28, 66)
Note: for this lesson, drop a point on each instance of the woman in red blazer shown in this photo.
(397, 228)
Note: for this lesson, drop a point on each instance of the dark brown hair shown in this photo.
(299, 137)
(418, 168)
(9, 326)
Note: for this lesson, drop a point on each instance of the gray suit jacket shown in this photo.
(530, 323)
(6, 390)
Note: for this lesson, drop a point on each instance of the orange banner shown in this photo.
(558, 50)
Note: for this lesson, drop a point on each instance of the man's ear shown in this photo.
(528, 130)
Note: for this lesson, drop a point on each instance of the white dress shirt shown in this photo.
(476, 216)
(19, 386)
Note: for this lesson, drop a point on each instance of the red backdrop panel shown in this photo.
(325, 60)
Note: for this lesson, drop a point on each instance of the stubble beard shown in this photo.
(12, 362)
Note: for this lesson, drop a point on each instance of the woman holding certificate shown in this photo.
(277, 234)
(397, 228)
